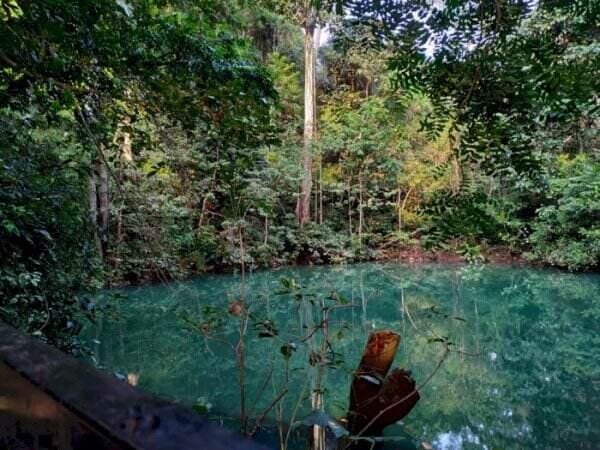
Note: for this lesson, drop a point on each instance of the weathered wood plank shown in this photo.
(75, 399)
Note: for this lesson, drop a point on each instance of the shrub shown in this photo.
(566, 232)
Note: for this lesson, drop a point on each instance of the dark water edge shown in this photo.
(526, 373)
(414, 255)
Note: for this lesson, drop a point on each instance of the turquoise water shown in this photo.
(523, 370)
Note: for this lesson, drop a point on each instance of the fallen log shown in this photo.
(376, 398)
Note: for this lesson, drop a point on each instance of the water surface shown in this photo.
(523, 372)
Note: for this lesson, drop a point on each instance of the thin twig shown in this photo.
(295, 411)
(260, 392)
(47, 315)
(262, 416)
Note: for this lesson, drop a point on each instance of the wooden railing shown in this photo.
(50, 400)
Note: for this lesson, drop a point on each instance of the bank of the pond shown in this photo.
(417, 254)
(404, 254)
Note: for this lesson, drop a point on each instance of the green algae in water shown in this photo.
(524, 371)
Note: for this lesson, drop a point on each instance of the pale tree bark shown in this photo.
(315, 54)
(126, 152)
(103, 205)
(303, 204)
(457, 178)
(402, 206)
(99, 205)
(311, 43)
(266, 230)
(126, 159)
(319, 193)
(94, 210)
(398, 210)
(320, 189)
(360, 209)
(350, 206)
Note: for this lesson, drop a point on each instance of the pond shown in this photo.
(523, 370)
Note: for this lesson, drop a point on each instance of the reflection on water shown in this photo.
(456, 440)
(524, 371)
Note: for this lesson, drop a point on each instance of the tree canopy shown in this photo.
(153, 140)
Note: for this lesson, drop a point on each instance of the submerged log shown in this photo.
(376, 398)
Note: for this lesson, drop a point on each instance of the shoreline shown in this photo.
(416, 254)
(410, 255)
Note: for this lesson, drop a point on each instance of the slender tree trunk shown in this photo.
(202, 212)
(120, 235)
(103, 205)
(266, 231)
(457, 176)
(398, 211)
(316, 40)
(126, 152)
(319, 206)
(350, 205)
(126, 159)
(94, 210)
(316, 204)
(303, 205)
(360, 209)
(402, 206)
(321, 189)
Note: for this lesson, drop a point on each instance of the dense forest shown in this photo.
(172, 172)
(151, 140)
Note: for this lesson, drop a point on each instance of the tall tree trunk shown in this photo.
(266, 230)
(321, 189)
(350, 206)
(402, 206)
(398, 209)
(316, 203)
(125, 162)
(126, 152)
(94, 210)
(360, 209)
(103, 205)
(99, 205)
(316, 40)
(303, 204)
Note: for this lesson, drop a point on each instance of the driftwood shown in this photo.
(376, 398)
